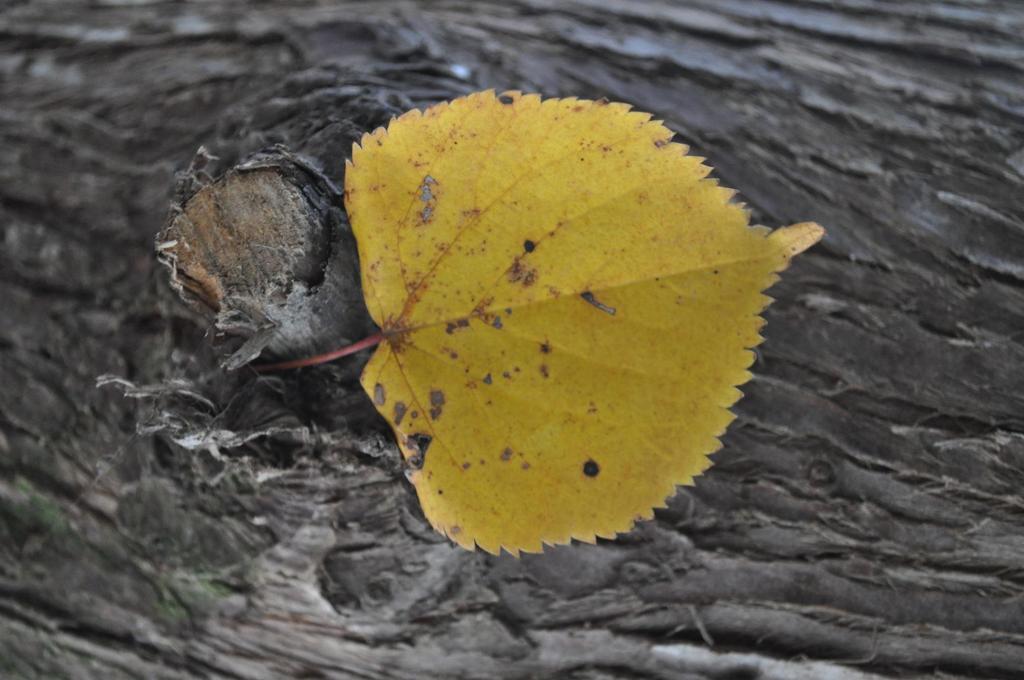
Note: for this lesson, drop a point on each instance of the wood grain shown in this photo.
(863, 520)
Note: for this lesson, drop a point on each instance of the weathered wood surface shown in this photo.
(865, 518)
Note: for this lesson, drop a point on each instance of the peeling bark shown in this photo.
(862, 521)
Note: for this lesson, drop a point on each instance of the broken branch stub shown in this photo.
(267, 254)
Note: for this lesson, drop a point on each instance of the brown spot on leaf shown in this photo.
(506, 455)
(661, 142)
(591, 468)
(544, 370)
(525, 466)
(520, 273)
(483, 305)
(465, 466)
(399, 340)
(488, 379)
(545, 347)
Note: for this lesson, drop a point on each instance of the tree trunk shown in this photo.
(862, 521)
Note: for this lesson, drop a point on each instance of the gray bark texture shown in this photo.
(166, 512)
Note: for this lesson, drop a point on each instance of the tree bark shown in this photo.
(189, 519)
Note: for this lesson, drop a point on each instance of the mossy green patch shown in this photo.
(38, 512)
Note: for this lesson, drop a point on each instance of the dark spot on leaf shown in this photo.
(428, 197)
(529, 245)
(487, 379)
(544, 370)
(592, 408)
(497, 323)
(506, 455)
(589, 297)
(415, 414)
(661, 142)
(506, 375)
(506, 99)
(465, 466)
(714, 271)
(591, 468)
(419, 443)
(378, 394)
(440, 492)
(399, 412)
(545, 347)
(415, 461)
(436, 404)
(526, 466)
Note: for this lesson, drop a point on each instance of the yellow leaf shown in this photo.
(567, 304)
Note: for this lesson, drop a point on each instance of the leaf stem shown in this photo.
(322, 358)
